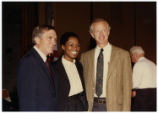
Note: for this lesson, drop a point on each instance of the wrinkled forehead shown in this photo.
(49, 32)
(103, 23)
(52, 31)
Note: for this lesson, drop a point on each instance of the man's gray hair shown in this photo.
(98, 20)
(38, 31)
(137, 49)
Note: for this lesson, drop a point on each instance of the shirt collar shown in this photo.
(43, 56)
(105, 48)
(68, 62)
(141, 58)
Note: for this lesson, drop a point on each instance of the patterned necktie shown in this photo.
(99, 75)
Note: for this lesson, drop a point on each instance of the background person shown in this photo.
(144, 81)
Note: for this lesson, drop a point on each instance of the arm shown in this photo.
(81, 59)
(127, 83)
(26, 84)
(83, 96)
(137, 78)
(133, 93)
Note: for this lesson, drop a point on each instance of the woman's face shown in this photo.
(71, 48)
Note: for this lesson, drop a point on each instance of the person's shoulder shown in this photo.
(87, 53)
(28, 57)
(57, 62)
(149, 60)
(118, 49)
(78, 63)
(146, 61)
(27, 63)
(141, 65)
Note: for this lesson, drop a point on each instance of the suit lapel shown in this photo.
(42, 67)
(110, 65)
(80, 71)
(62, 71)
(91, 66)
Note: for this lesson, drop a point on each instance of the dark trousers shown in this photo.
(99, 105)
(145, 100)
(73, 103)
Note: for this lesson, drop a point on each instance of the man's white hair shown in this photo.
(96, 21)
(137, 49)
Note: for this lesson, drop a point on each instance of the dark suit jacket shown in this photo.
(64, 85)
(36, 88)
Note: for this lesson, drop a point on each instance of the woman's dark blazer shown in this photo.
(64, 85)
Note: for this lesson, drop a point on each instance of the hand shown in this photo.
(133, 93)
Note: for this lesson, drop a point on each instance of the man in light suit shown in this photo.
(108, 79)
(35, 83)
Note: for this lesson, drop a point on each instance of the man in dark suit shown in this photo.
(36, 84)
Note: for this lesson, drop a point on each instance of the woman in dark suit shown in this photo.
(69, 73)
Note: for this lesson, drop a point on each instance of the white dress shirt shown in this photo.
(44, 57)
(144, 74)
(106, 55)
(73, 76)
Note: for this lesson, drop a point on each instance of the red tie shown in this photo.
(49, 69)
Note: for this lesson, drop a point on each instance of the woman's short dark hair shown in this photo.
(65, 37)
